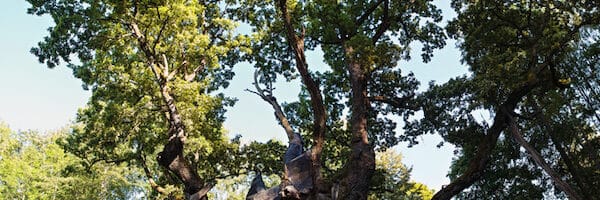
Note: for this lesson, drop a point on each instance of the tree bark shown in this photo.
(319, 113)
(172, 156)
(361, 164)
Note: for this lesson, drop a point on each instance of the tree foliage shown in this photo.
(517, 52)
(362, 43)
(392, 179)
(152, 67)
(34, 166)
(155, 69)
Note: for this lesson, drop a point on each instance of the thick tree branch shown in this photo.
(143, 45)
(318, 107)
(165, 67)
(160, 33)
(385, 22)
(202, 193)
(368, 12)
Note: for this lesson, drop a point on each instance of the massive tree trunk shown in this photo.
(361, 163)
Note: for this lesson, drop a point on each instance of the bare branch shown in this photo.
(254, 92)
(269, 98)
(166, 67)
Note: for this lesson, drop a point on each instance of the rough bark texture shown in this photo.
(361, 164)
(257, 184)
(298, 182)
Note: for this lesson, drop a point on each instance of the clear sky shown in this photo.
(35, 97)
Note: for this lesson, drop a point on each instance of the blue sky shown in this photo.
(35, 97)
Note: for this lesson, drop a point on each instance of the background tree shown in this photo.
(34, 166)
(518, 54)
(153, 67)
(392, 179)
